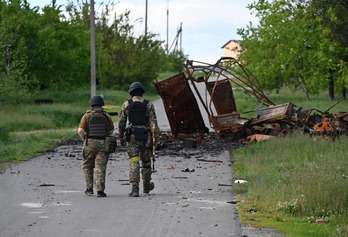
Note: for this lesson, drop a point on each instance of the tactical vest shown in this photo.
(137, 112)
(97, 125)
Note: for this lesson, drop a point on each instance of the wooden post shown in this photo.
(93, 70)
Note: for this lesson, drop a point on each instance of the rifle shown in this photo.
(153, 147)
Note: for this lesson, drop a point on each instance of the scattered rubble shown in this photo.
(187, 123)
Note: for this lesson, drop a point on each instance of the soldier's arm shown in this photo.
(122, 120)
(82, 127)
(81, 133)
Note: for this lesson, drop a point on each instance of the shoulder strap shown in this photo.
(107, 119)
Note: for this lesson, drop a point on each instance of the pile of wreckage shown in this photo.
(212, 84)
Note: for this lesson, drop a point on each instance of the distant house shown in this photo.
(232, 48)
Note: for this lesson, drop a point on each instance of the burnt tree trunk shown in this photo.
(344, 92)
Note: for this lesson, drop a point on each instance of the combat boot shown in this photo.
(148, 186)
(101, 194)
(89, 191)
(135, 191)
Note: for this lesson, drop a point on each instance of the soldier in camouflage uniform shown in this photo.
(97, 125)
(141, 118)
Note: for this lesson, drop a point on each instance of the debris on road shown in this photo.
(225, 185)
(209, 160)
(186, 121)
(47, 185)
(232, 202)
(180, 177)
(188, 170)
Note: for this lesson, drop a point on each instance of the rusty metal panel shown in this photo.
(231, 118)
(231, 123)
(222, 97)
(180, 105)
(272, 113)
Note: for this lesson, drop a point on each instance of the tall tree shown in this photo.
(63, 52)
(128, 58)
(176, 61)
(290, 46)
(17, 27)
(50, 49)
(333, 17)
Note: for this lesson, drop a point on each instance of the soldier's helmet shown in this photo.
(96, 100)
(136, 86)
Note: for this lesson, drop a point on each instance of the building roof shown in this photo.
(237, 41)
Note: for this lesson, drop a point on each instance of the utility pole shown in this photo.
(167, 24)
(146, 18)
(93, 71)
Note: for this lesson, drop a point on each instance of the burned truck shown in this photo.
(210, 87)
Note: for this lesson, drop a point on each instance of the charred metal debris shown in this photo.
(211, 85)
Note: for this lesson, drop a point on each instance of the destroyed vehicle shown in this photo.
(210, 87)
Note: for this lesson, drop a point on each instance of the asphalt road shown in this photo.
(45, 196)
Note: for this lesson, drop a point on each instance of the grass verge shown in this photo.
(22, 146)
(29, 129)
(292, 182)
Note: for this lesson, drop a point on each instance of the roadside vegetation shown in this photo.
(295, 180)
(49, 48)
(28, 129)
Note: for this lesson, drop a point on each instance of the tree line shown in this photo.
(50, 48)
(299, 42)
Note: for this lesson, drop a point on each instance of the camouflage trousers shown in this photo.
(95, 160)
(138, 152)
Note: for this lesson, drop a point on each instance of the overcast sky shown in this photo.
(206, 24)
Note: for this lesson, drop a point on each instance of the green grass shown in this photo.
(30, 117)
(81, 98)
(246, 103)
(296, 179)
(28, 129)
(293, 181)
(3, 132)
(319, 101)
(22, 146)
(165, 75)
